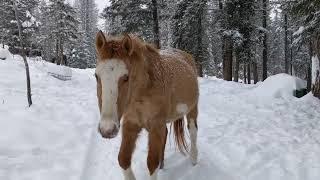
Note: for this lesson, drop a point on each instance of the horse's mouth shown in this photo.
(109, 134)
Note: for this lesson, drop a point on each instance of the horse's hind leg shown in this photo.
(163, 149)
(193, 131)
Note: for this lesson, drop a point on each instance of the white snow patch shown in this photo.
(299, 31)
(4, 53)
(280, 85)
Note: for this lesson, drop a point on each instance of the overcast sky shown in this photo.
(102, 4)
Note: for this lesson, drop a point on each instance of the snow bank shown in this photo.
(4, 53)
(280, 85)
(50, 139)
(240, 137)
(59, 72)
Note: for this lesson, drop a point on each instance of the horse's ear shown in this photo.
(100, 40)
(127, 44)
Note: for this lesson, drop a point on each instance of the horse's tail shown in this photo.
(179, 135)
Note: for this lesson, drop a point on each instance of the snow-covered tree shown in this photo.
(238, 25)
(84, 50)
(61, 27)
(80, 55)
(189, 30)
(132, 16)
(307, 13)
(8, 27)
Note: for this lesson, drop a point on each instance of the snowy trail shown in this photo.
(244, 132)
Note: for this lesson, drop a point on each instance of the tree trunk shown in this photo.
(245, 73)
(255, 72)
(286, 62)
(23, 53)
(316, 85)
(309, 73)
(291, 54)
(227, 58)
(249, 72)
(236, 69)
(316, 66)
(265, 42)
(61, 54)
(220, 5)
(155, 23)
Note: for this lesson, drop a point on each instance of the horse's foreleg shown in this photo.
(156, 141)
(129, 136)
(193, 131)
(163, 149)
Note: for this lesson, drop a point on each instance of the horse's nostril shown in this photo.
(108, 132)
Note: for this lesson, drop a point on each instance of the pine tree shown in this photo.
(8, 27)
(238, 27)
(62, 27)
(308, 15)
(132, 16)
(80, 55)
(88, 16)
(189, 32)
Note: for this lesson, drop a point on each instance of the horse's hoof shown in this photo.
(161, 165)
(194, 160)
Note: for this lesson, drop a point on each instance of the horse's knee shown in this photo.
(124, 160)
(153, 163)
(156, 141)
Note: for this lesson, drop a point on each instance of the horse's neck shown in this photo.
(139, 79)
(146, 74)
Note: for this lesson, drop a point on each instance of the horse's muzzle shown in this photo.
(108, 130)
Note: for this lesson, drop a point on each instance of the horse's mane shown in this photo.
(155, 66)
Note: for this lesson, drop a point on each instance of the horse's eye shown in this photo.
(125, 78)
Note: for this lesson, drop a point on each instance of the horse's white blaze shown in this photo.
(193, 136)
(128, 174)
(110, 72)
(154, 176)
(182, 108)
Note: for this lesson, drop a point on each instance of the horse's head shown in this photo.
(112, 74)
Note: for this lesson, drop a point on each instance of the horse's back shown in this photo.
(181, 73)
(179, 55)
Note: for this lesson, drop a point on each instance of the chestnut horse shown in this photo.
(145, 88)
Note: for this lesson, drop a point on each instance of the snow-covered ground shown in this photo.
(246, 132)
